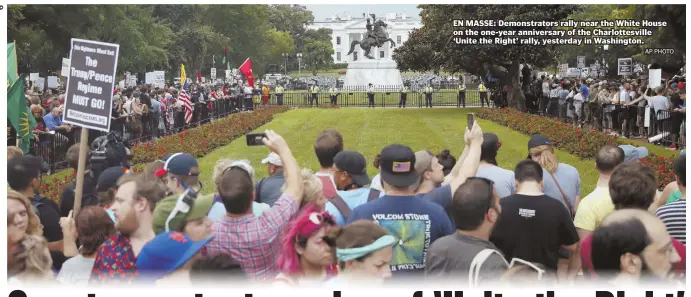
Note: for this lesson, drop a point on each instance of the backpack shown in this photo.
(35, 204)
(343, 208)
(476, 265)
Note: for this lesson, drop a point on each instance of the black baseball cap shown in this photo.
(537, 140)
(355, 165)
(397, 165)
(109, 178)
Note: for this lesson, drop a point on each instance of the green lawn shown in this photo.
(369, 130)
(348, 98)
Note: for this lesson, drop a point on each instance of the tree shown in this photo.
(432, 47)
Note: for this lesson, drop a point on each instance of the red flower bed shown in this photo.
(579, 142)
(197, 141)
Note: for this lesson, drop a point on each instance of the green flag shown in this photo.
(19, 115)
(12, 72)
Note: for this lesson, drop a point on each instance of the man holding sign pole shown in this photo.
(89, 96)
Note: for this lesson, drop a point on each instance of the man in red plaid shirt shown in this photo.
(254, 242)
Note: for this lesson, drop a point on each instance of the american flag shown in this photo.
(401, 167)
(183, 97)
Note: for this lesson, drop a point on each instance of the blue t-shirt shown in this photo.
(585, 92)
(569, 180)
(352, 198)
(414, 221)
(52, 122)
(441, 195)
(504, 180)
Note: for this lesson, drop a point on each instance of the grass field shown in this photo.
(368, 131)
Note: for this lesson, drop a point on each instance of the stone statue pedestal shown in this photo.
(383, 74)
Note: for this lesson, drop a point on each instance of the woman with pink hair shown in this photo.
(305, 255)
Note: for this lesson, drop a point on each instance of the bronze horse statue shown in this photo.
(376, 37)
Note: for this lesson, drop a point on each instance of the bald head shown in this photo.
(608, 157)
(633, 242)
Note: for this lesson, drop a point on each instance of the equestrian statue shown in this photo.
(375, 37)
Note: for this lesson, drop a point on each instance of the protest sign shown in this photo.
(625, 66)
(654, 78)
(562, 69)
(572, 72)
(131, 80)
(89, 94)
(149, 78)
(581, 61)
(65, 67)
(159, 79)
(41, 83)
(33, 76)
(213, 73)
(52, 82)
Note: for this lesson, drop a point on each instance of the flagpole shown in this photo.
(16, 63)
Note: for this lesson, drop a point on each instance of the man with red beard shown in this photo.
(135, 200)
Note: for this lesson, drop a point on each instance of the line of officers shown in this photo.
(426, 91)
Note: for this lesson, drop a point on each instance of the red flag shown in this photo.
(246, 69)
(199, 76)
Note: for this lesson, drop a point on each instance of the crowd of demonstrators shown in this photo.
(434, 218)
(616, 107)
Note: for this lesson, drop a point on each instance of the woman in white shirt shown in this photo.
(92, 227)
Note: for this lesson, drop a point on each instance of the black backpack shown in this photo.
(343, 208)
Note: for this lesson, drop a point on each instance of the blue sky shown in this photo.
(322, 12)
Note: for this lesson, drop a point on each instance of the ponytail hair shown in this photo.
(377, 159)
(547, 159)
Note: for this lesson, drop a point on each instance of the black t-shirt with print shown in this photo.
(533, 228)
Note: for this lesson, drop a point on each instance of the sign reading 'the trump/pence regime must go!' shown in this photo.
(90, 84)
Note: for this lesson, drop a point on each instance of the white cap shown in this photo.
(274, 159)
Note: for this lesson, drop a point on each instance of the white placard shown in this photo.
(228, 75)
(41, 83)
(52, 82)
(33, 76)
(213, 73)
(581, 61)
(121, 84)
(131, 81)
(149, 78)
(65, 67)
(563, 68)
(159, 79)
(646, 122)
(654, 78)
(585, 72)
(624, 66)
(573, 72)
(203, 79)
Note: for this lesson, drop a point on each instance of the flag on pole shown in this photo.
(226, 65)
(184, 97)
(12, 71)
(19, 115)
(246, 69)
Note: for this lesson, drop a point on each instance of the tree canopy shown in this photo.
(161, 37)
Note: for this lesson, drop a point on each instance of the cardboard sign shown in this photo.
(213, 73)
(625, 66)
(65, 67)
(90, 84)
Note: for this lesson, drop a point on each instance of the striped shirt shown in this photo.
(674, 217)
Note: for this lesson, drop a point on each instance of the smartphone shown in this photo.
(255, 139)
(471, 120)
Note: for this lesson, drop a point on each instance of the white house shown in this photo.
(347, 28)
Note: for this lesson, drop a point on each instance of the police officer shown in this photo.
(279, 94)
(333, 94)
(315, 92)
(483, 94)
(370, 96)
(404, 96)
(428, 96)
(461, 94)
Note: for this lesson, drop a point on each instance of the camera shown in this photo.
(107, 151)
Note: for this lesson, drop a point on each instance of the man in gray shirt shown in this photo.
(269, 189)
(504, 180)
(450, 257)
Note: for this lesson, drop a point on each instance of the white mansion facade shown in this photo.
(347, 28)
